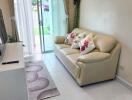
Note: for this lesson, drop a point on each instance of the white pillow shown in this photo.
(70, 37)
(77, 40)
(87, 44)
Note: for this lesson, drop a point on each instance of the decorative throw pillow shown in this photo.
(78, 30)
(77, 40)
(70, 37)
(87, 44)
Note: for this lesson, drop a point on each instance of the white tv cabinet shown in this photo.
(12, 76)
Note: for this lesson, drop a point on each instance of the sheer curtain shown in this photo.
(24, 21)
(59, 18)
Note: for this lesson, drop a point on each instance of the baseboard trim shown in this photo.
(124, 82)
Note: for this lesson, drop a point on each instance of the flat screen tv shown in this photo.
(3, 36)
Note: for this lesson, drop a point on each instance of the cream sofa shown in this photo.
(96, 66)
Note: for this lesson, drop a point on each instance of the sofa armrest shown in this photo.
(59, 39)
(93, 57)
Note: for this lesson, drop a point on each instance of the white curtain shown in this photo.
(24, 21)
(59, 18)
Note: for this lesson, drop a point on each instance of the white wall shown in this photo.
(112, 17)
(4, 5)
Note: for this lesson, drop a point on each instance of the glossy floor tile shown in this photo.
(111, 90)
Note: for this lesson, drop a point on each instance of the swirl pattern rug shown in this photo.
(39, 82)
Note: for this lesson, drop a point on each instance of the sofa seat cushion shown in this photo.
(68, 51)
(73, 57)
(60, 46)
(93, 57)
(71, 66)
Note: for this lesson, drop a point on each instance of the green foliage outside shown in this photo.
(36, 30)
(34, 2)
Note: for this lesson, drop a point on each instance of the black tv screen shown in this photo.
(3, 36)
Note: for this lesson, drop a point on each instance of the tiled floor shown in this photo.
(49, 43)
(111, 90)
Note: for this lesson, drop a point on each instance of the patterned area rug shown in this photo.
(39, 81)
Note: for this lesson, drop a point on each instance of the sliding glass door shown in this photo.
(44, 25)
(49, 21)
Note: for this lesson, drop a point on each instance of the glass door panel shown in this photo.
(41, 24)
(45, 26)
(52, 22)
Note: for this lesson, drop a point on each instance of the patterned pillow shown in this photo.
(78, 31)
(87, 44)
(70, 37)
(77, 40)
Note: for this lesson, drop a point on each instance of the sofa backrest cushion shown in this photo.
(77, 31)
(81, 30)
(104, 43)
